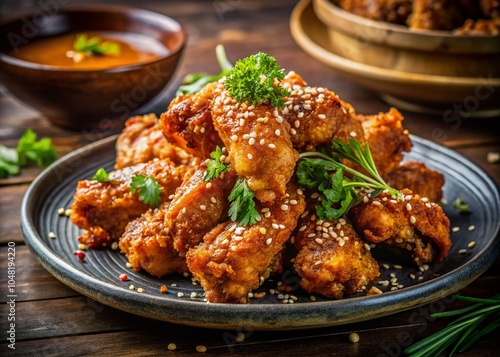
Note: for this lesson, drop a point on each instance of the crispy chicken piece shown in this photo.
(142, 140)
(197, 207)
(231, 260)
(104, 209)
(258, 141)
(188, 122)
(479, 28)
(413, 224)
(148, 244)
(418, 178)
(332, 260)
(316, 115)
(393, 11)
(386, 138)
(442, 15)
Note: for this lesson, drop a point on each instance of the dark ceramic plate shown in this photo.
(97, 276)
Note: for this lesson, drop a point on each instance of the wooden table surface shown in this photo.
(54, 320)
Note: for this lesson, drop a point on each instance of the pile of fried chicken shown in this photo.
(191, 231)
(462, 17)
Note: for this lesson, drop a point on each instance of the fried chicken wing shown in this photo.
(142, 140)
(332, 260)
(387, 138)
(418, 178)
(148, 244)
(316, 115)
(441, 14)
(413, 224)
(258, 141)
(197, 207)
(188, 122)
(103, 210)
(232, 258)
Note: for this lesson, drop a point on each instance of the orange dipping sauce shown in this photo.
(52, 51)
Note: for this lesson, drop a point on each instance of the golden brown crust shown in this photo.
(332, 260)
(231, 260)
(104, 209)
(188, 123)
(258, 141)
(142, 140)
(148, 245)
(414, 219)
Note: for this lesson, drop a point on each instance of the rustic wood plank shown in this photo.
(10, 207)
(33, 282)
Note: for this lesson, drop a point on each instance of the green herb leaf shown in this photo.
(101, 176)
(242, 207)
(215, 167)
(94, 46)
(460, 205)
(474, 322)
(257, 78)
(194, 82)
(148, 188)
(28, 149)
(337, 191)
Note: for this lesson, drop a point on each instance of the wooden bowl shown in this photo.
(83, 99)
(446, 96)
(396, 47)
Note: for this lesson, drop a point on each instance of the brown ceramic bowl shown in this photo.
(83, 99)
(424, 71)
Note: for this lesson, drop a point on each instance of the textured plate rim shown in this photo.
(252, 316)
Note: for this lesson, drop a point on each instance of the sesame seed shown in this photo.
(376, 203)
(412, 219)
(277, 132)
(184, 210)
(322, 116)
(397, 266)
(203, 207)
(365, 199)
(471, 228)
(269, 241)
(61, 211)
(462, 251)
(67, 212)
(471, 245)
(272, 146)
(319, 240)
(201, 348)
(172, 346)
(302, 228)
(353, 134)
(140, 290)
(234, 137)
(300, 115)
(131, 287)
(284, 207)
(250, 156)
(180, 294)
(251, 141)
(52, 235)
(408, 207)
(242, 122)
(455, 229)
(318, 262)
(114, 246)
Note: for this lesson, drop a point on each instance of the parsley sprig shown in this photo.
(95, 46)
(147, 187)
(194, 82)
(29, 149)
(338, 192)
(257, 78)
(471, 323)
(242, 207)
(215, 167)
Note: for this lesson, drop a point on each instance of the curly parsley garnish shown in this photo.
(29, 149)
(242, 207)
(257, 78)
(194, 82)
(149, 189)
(337, 191)
(95, 46)
(215, 167)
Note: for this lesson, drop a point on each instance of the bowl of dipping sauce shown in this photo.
(89, 67)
